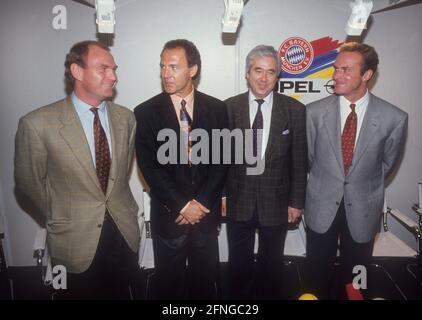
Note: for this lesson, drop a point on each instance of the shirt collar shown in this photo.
(82, 107)
(359, 103)
(268, 99)
(177, 100)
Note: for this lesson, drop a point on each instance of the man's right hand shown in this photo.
(193, 212)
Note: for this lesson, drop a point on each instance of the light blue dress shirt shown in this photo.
(87, 120)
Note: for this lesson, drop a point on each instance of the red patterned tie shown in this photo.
(348, 138)
(102, 152)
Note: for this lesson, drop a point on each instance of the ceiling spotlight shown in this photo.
(232, 15)
(105, 15)
(361, 10)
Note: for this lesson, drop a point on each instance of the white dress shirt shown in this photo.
(360, 110)
(266, 109)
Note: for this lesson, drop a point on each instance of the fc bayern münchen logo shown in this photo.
(296, 55)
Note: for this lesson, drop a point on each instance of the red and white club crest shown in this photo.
(296, 55)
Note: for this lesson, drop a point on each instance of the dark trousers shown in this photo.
(110, 273)
(174, 280)
(265, 281)
(321, 252)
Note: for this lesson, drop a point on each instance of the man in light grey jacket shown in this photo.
(354, 141)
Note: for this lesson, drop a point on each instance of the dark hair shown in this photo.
(77, 54)
(192, 53)
(369, 55)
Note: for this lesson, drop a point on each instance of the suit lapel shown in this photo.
(370, 125)
(73, 133)
(168, 113)
(198, 112)
(277, 124)
(169, 120)
(117, 144)
(242, 115)
(199, 121)
(333, 127)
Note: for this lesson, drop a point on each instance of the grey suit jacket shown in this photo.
(376, 152)
(283, 182)
(54, 168)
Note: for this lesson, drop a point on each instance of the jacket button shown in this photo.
(337, 203)
(99, 225)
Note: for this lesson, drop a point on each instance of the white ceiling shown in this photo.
(378, 4)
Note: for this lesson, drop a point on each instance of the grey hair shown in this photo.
(262, 51)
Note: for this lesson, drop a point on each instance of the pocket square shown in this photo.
(285, 132)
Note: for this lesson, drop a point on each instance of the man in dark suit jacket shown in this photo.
(185, 195)
(272, 199)
(345, 192)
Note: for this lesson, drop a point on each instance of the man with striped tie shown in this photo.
(185, 195)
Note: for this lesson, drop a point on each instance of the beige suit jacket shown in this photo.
(54, 168)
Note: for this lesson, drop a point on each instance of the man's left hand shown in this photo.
(293, 214)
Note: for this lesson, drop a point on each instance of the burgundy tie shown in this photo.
(348, 138)
(102, 152)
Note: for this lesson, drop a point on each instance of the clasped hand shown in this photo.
(192, 214)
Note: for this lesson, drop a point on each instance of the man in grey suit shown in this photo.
(270, 200)
(354, 141)
(73, 160)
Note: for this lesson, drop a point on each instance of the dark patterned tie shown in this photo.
(102, 152)
(258, 123)
(348, 138)
(186, 123)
